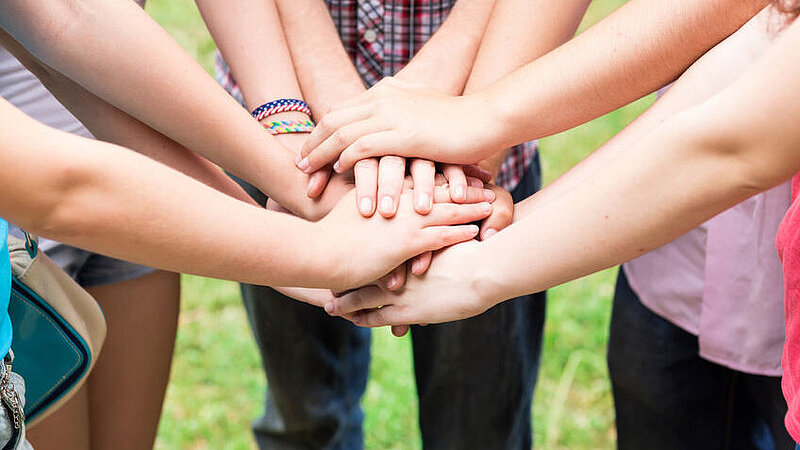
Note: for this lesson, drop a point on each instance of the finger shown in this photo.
(477, 195)
(318, 181)
(340, 139)
(397, 278)
(457, 181)
(381, 317)
(400, 330)
(474, 195)
(366, 176)
(423, 173)
(391, 175)
(476, 171)
(380, 142)
(474, 182)
(454, 214)
(435, 238)
(360, 299)
(421, 263)
(357, 110)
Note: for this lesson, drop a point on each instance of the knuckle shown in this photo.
(504, 215)
(365, 164)
(324, 125)
(338, 137)
(359, 148)
(393, 162)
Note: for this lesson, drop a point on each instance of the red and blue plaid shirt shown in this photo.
(381, 36)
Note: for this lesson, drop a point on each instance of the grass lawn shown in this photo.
(217, 386)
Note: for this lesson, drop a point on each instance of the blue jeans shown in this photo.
(667, 397)
(475, 377)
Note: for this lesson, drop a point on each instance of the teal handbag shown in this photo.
(58, 329)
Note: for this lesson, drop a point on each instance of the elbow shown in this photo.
(68, 201)
(748, 157)
(38, 26)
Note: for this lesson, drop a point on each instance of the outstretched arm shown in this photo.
(694, 165)
(637, 49)
(116, 51)
(534, 28)
(113, 125)
(250, 37)
(327, 76)
(111, 200)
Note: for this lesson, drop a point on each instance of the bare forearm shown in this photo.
(112, 125)
(445, 61)
(145, 73)
(639, 48)
(693, 166)
(249, 35)
(324, 70)
(519, 31)
(709, 75)
(108, 199)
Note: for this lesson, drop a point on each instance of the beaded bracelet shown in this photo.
(278, 106)
(289, 126)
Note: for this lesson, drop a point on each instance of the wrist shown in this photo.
(482, 129)
(487, 280)
(500, 115)
(327, 263)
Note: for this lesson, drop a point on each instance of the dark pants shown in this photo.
(667, 397)
(475, 377)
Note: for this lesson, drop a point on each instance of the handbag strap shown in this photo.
(31, 244)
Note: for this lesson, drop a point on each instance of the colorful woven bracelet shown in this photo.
(278, 106)
(289, 126)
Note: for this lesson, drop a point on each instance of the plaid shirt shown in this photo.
(381, 36)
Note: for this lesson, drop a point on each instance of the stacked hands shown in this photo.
(411, 206)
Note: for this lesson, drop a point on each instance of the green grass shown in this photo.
(217, 386)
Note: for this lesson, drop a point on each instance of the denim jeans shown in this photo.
(667, 397)
(475, 377)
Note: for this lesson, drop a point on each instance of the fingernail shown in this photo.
(489, 195)
(329, 308)
(423, 202)
(392, 282)
(415, 265)
(336, 167)
(459, 193)
(387, 205)
(489, 233)
(365, 205)
(474, 229)
(486, 207)
(298, 159)
(303, 164)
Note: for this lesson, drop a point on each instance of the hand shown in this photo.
(314, 209)
(384, 178)
(403, 119)
(450, 290)
(361, 250)
(305, 191)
